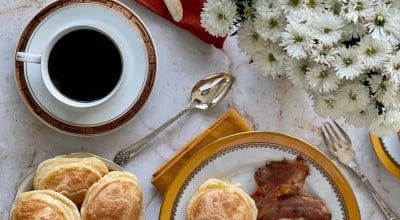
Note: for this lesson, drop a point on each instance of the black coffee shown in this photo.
(85, 65)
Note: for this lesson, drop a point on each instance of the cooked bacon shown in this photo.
(279, 192)
(297, 206)
(281, 178)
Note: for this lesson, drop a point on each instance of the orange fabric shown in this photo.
(228, 124)
(190, 20)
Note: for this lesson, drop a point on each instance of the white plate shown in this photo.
(27, 183)
(129, 33)
(387, 149)
(392, 146)
(235, 159)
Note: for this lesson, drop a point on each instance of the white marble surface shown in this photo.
(266, 104)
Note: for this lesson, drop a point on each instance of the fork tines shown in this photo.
(334, 136)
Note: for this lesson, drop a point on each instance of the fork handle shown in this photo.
(390, 215)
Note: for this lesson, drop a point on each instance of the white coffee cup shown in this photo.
(52, 87)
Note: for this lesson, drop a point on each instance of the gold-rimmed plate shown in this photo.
(387, 150)
(235, 158)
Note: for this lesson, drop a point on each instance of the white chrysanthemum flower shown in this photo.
(291, 5)
(247, 11)
(392, 67)
(394, 40)
(248, 39)
(217, 16)
(296, 71)
(387, 92)
(271, 60)
(357, 10)
(326, 106)
(353, 31)
(316, 5)
(323, 54)
(305, 17)
(362, 118)
(328, 28)
(348, 64)
(333, 6)
(383, 23)
(353, 97)
(322, 79)
(373, 52)
(266, 5)
(375, 82)
(342, 52)
(296, 41)
(385, 123)
(270, 25)
(391, 97)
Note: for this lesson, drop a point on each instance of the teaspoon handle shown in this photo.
(128, 153)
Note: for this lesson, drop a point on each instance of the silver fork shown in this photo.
(339, 145)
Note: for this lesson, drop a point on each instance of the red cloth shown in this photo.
(190, 20)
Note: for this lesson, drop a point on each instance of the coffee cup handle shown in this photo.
(28, 57)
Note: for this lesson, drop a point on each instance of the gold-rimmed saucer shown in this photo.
(135, 39)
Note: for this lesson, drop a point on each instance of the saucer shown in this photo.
(140, 72)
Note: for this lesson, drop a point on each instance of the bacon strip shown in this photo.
(279, 192)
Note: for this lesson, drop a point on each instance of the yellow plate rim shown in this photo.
(384, 157)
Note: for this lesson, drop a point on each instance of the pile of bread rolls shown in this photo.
(80, 188)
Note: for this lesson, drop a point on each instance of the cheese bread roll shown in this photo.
(71, 177)
(44, 204)
(217, 200)
(116, 196)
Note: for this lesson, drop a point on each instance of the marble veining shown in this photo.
(266, 104)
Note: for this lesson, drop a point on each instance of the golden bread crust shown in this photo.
(216, 200)
(44, 204)
(71, 177)
(116, 196)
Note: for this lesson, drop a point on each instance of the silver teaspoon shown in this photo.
(205, 94)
